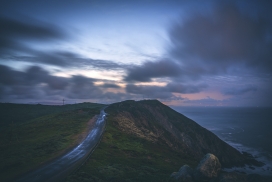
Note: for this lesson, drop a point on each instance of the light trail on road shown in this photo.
(65, 164)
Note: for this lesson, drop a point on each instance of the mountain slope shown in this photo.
(147, 141)
(158, 123)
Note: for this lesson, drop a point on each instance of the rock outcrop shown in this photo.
(208, 168)
(185, 174)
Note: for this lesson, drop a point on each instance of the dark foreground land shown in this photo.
(59, 168)
(31, 135)
(143, 141)
(148, 141)
(124, 156)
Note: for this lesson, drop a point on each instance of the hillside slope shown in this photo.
(158, 123)
(147, 141)
(34, 134)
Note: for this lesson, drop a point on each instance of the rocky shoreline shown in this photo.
(209, 170)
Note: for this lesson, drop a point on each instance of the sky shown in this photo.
(183, 53)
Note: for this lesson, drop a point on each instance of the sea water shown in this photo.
(246, 129)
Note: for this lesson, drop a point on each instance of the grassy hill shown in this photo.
(33, 134)
(124, 156)
(147, 141)
(143, 141)
(19, 113)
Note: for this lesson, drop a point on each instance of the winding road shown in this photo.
(61, 167)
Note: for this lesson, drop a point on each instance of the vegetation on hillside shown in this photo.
(147, 141)
(143, 141)
(124, 157)
(39, 133)
(19, 113)
(128, 153)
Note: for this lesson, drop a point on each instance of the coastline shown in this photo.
(263, 170)
(245, 129)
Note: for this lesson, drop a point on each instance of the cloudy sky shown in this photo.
(183, 52)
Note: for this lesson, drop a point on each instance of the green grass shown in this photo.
(20, 113)
(124, 157)
(39, 136)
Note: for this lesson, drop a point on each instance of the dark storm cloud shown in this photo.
(37, 75)
(148, 70)
(15, 35)
(11, 28)
(101, 64)
(205, 101)
(32, 76)
(56, 58)
(66, 59)
(10, 77)
(110, 85)
(82, 87)
(164, 92)
(149, 91)
(240, 90)
(185, 88)
(37, 83)
(225, 40)
(226, 37)
(14, 32)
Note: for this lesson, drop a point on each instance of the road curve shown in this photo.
(61, 167)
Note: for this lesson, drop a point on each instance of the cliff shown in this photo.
(155, 122)
(148, 141)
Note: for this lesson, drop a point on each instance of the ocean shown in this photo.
(246, 129)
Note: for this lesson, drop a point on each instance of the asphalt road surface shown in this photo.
(62, 166)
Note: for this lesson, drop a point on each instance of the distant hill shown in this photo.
(11, 113)
(147, 140)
